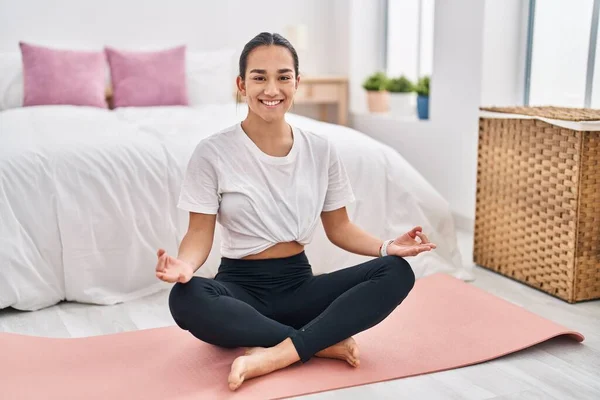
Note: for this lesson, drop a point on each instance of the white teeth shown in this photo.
(271, 103)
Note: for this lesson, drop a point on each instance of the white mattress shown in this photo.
(88, 195)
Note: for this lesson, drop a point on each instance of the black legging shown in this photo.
(260, 303)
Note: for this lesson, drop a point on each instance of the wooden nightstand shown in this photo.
(322, 91)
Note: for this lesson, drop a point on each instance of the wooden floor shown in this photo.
(558, 369)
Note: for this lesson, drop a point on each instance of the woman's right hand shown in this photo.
(170, 269)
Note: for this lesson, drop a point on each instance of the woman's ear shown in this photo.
(241, 85)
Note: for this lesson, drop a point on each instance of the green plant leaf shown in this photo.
(400, 85)
(422, 86)
(377, 81)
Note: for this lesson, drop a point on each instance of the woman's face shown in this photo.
(270, 82)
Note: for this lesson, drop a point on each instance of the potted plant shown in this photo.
(422, 89)
(377, 95)
(402, 95)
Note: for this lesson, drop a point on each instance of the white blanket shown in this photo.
(87, 196)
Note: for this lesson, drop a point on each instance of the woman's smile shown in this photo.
(271, 103)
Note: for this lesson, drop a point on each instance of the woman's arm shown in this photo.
(197, 242)
(348, 236)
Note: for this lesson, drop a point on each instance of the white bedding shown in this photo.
(88, 195)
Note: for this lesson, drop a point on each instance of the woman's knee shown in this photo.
(184, 298)
(400, 274)
(177, 301)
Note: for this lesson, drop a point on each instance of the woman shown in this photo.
(269, 184)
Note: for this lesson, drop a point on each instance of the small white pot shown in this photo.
(403, 103)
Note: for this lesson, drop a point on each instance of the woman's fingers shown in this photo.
(416, 250)
(163, 270)
(162, 262)
(168, 261)
(167, 270)
(422, 236)
(421, 248)
(165, 277)
(171, 262)
(425, 240)
(160, 275)
(413, 232)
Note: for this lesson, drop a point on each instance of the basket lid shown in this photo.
(580, 119)
(564, 113)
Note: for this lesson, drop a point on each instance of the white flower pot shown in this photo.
(403, 103)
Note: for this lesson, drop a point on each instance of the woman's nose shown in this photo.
(271, 89)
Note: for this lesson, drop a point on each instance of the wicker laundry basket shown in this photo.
(537, 216)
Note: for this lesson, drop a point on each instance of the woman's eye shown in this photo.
(258, 78)
(287, 78)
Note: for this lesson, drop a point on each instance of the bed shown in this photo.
(88, 195)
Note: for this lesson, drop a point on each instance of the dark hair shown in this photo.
(266, 39)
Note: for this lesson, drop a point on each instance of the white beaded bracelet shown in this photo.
(383, 250)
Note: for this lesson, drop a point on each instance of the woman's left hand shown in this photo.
(407, 245)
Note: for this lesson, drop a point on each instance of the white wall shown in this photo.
(156, 23)
(366, 30)
(444, 148)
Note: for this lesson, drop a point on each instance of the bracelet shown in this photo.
(383, 248)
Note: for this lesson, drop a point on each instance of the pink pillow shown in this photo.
(52, 76)
(148, 78)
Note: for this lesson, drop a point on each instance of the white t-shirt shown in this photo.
(261, 200)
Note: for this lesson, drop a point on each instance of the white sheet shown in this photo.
(88, 195)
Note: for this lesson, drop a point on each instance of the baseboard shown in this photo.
(463, 223)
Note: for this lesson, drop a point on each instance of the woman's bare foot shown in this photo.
(251, 350)
(346, 350)
(260, 361)
(249, 366)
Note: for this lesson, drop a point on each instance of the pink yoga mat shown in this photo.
(444, 323)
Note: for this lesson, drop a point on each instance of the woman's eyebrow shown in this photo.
(264, 71)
